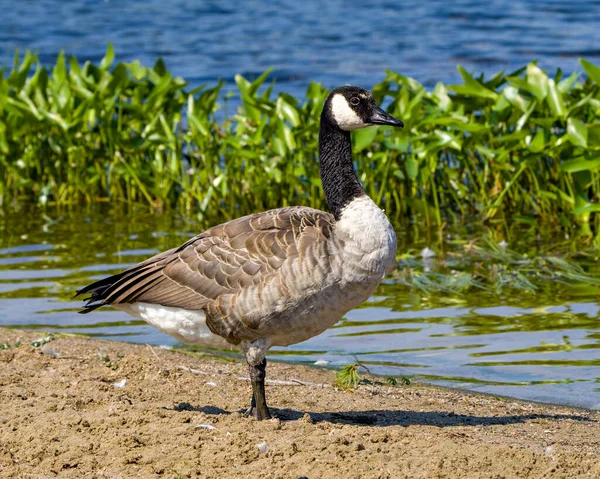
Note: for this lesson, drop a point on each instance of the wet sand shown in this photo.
(83, 408)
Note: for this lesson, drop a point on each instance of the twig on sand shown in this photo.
(292, 382)
(153, 352)
(193, 371)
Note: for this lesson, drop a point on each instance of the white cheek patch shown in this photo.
(344, 115)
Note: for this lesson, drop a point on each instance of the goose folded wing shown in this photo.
(218, 263)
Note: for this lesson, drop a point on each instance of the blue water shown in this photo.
(334, 42)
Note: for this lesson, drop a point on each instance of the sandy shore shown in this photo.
(82, 408)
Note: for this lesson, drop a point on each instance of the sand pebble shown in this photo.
(48, 350)
(120, 384)
(262, 447)
(205, 426)
(549, 450)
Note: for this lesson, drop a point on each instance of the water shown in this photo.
(543, 346)
(335, 42)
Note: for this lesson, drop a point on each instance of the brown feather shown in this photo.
(211, 270)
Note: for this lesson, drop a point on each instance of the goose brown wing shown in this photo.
(210, 269)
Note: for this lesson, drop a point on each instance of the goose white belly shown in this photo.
(187, 326)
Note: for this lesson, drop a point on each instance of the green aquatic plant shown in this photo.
(523, 145)
(36, 343)
(484, 264)
(108, 362)
(350, 376)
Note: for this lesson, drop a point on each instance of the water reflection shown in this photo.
(542, 345)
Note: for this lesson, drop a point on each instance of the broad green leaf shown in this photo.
(32, 108)
(109, 57)
(442, 96)
(470, 127)
(577, 132)
(119, 78)
(279, 146)
(555, 100)
(567, 83)
(589, 208)
(55, 118)
(3, 142)
(287, 111)
(285, 134)
(412, 168)
(514, 97)
(538, 142)
(363, 138)
(584, 101)
(547, 123)
(166, 128)
(593, 72)
(446, 139)
(521, 84)
(594, 137)
(502, 103)
(160, 68)
(538, 81)
(59, 73)
(525, 117)
(580, 164)
(256, 84)
(472, 87)
(136, 69)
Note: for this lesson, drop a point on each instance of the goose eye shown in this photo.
(354, 100)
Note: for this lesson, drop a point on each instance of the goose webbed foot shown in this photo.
(258, 406)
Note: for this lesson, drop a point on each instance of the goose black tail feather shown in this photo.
(126, 286)
(100, 291)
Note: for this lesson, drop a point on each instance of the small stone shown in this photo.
(120, 384)
(48, 350)
(206, 426)
(262, 447)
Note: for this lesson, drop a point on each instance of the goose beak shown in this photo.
(380, 117)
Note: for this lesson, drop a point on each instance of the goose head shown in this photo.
(351, 107)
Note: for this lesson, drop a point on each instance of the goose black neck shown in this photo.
(340, 183)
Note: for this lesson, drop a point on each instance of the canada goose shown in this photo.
(274, 278)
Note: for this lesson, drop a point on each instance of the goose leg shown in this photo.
(258, 406)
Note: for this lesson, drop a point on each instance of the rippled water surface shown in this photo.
(335, 42)
(543, 346)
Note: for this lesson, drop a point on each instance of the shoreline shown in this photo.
(81, 407)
